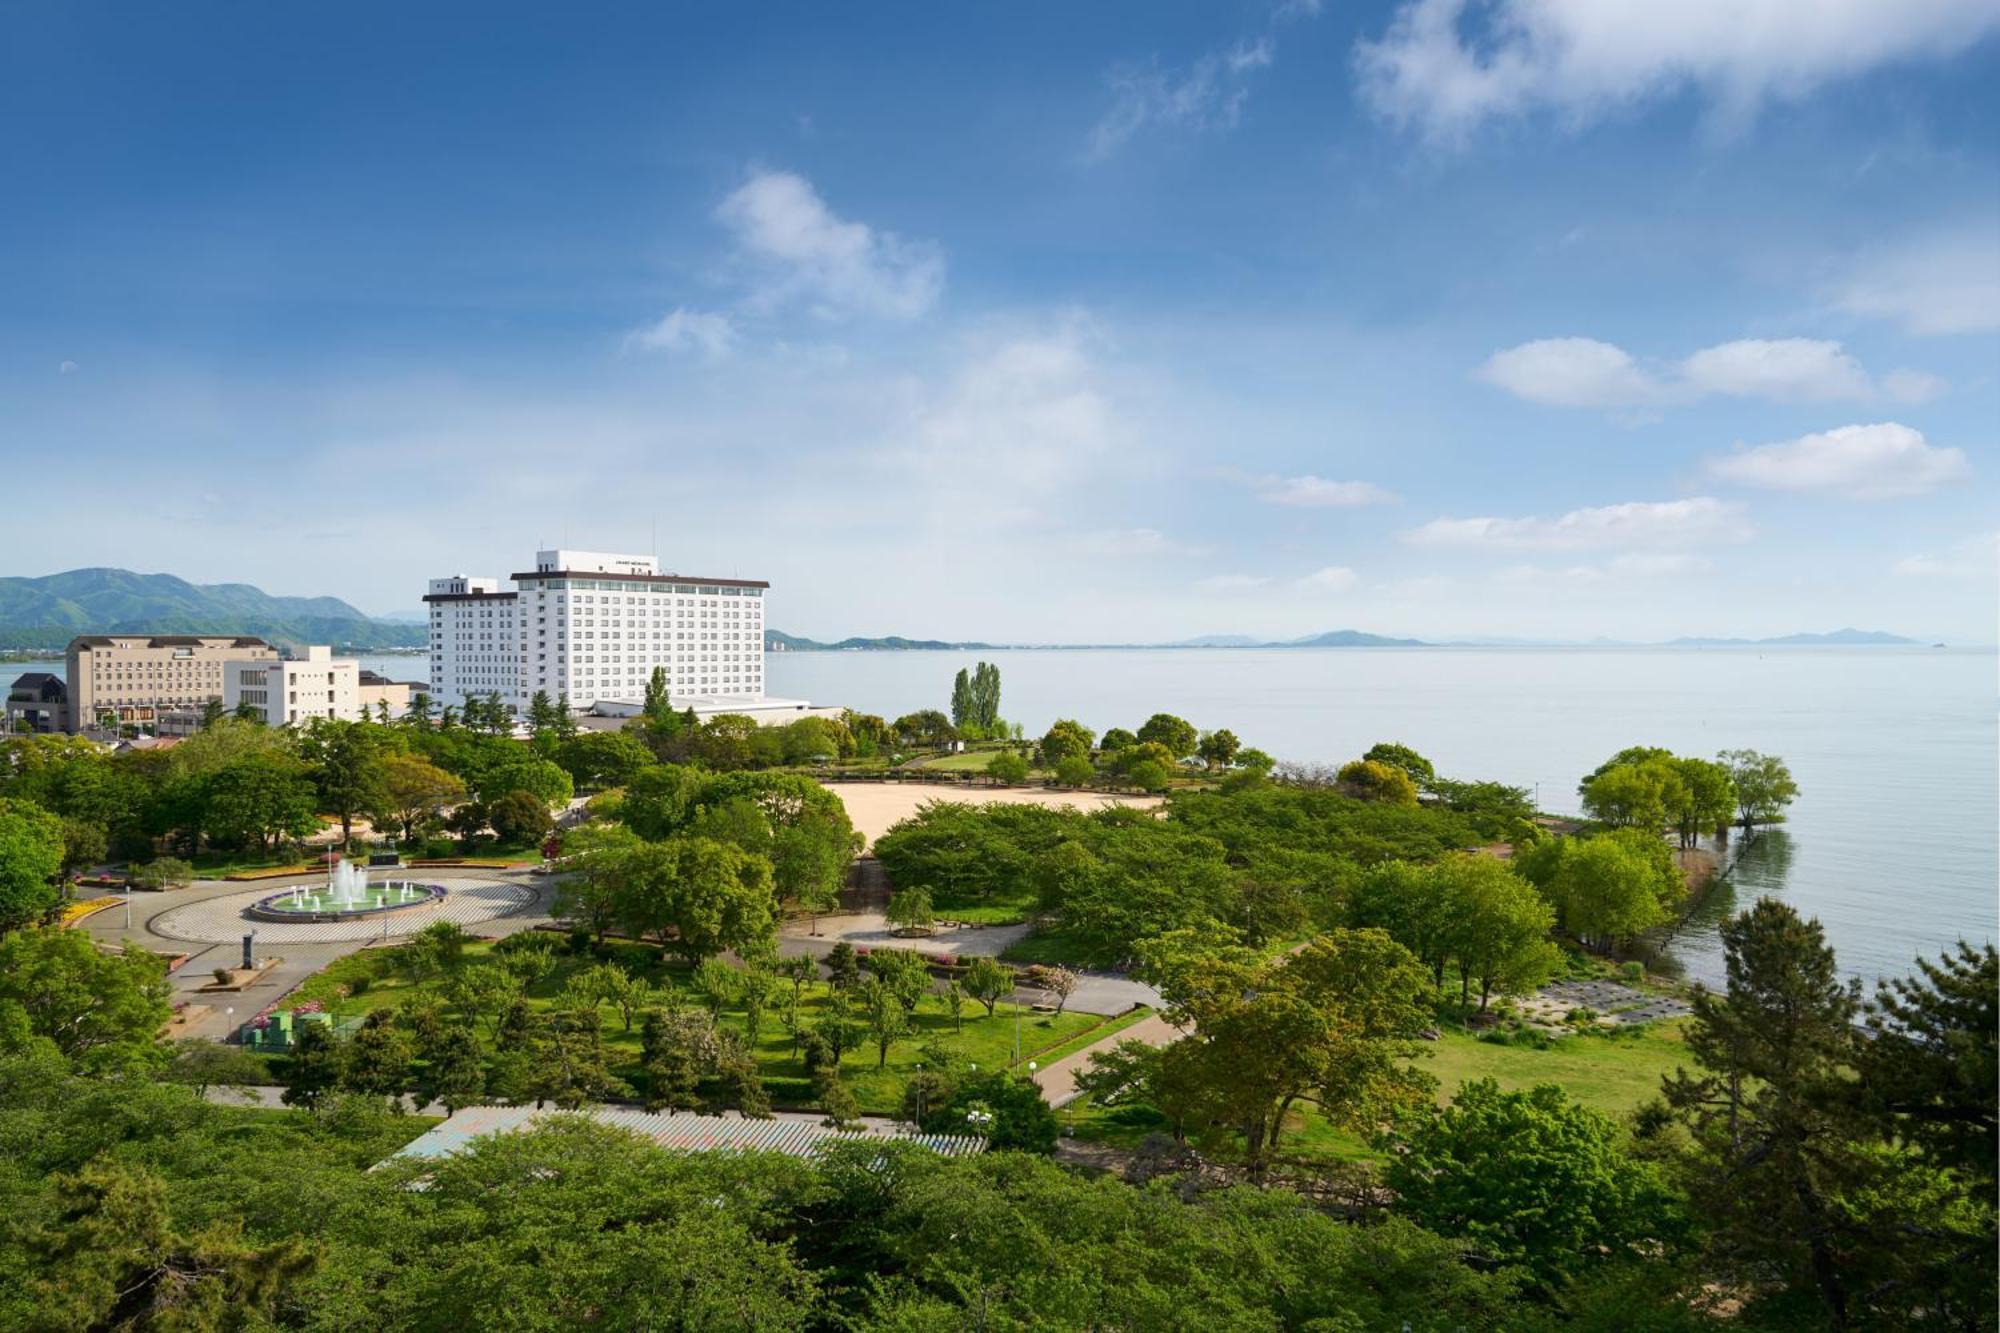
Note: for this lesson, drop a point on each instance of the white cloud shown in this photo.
(1021, 415)
(685, 330)
(1803, 369)
(1946, 282)
(1658, 564)
(1582, 372)
(1230, 582)
(841, 268)
(1310, 492)
(1874, 462)
(1334, 578)
(1208, 95)
(1700, 521)
(1975, 557)
(1571, 372)
(68, 368)
(1444, 75)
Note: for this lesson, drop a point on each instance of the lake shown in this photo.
(1892, 843)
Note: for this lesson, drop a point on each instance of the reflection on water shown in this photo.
(1762, 869)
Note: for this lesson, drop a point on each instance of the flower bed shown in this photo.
(75, 912)
(276, 872)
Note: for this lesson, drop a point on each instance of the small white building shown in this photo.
(291, 690)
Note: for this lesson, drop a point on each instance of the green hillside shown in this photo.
(46, 612)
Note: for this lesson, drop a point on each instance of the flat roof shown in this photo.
(470, 596)
(795, 1133)
(166, 640)
(622, 577)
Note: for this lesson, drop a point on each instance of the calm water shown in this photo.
(1892, 844)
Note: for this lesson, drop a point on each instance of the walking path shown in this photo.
(1058, 1081)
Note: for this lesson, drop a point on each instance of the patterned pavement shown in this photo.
(221, 920)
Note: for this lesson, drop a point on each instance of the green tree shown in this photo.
(1177, 734)
(571, 1067)
(202, 1064)
(31, 859)
(1609, 888)
(1075, 771)
(377, 1059)
(835, 1098)
(1532, 1180)
(658, 702)
(99, 1011)
(1006, 1109)
(1930, 1066)
(312, 1068)
(1116, 739)
(345, 758)
(1065, 739)
(1773, 1147)
(1764, 786)
(519, 819)
(454, 1070)
(1149, 775)
(1366, 780)
(257, 799)
(679, 1048)
(1333, 1024)
(414, 790)
(911, 910)
(988, 981)
(698, 897)
(1707, 798)
(1007, 768)
(1218, 748)
(887, 1021)
(1419, 769)
(1496, 927)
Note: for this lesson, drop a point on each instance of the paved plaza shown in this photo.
(467, 902)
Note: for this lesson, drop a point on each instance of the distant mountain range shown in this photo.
(777, 640)
(45, 613)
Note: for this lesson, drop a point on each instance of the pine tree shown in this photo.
(378, 1059)
(1775, 1137)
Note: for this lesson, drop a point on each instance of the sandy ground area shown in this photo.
(875, 806)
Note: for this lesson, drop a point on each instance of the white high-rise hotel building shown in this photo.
(593, 626)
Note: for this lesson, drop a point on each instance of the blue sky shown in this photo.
(1048, 322)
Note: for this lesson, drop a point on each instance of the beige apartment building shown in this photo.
(138, 678)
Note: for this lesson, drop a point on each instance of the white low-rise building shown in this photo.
(289, 690)
(593, 626)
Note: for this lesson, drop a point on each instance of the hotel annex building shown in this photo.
(593, 626)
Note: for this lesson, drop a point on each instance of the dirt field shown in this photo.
(874, 806)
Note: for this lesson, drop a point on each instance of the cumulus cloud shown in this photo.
(1571, 372)
(1583, 372)
(1946, 282)
(687, 330)
(1975, 557)
(1699, 521)
(1207, 95)
(841, 268)
(1874, 462)
(1445, 67)
(68, 368)
(1310, 492)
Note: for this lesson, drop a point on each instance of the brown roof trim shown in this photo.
(636, 578)
(168, 640)
(471, 596)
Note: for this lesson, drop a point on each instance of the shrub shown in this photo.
(1075, 771)
(1008, 768)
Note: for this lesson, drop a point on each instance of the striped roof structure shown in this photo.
(684, 1131)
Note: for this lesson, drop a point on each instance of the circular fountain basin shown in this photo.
(324, 904)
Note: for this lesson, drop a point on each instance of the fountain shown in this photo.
(348, 895)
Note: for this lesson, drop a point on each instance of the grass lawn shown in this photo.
(987, 1042)
(971, 761)
(1609, 1074)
